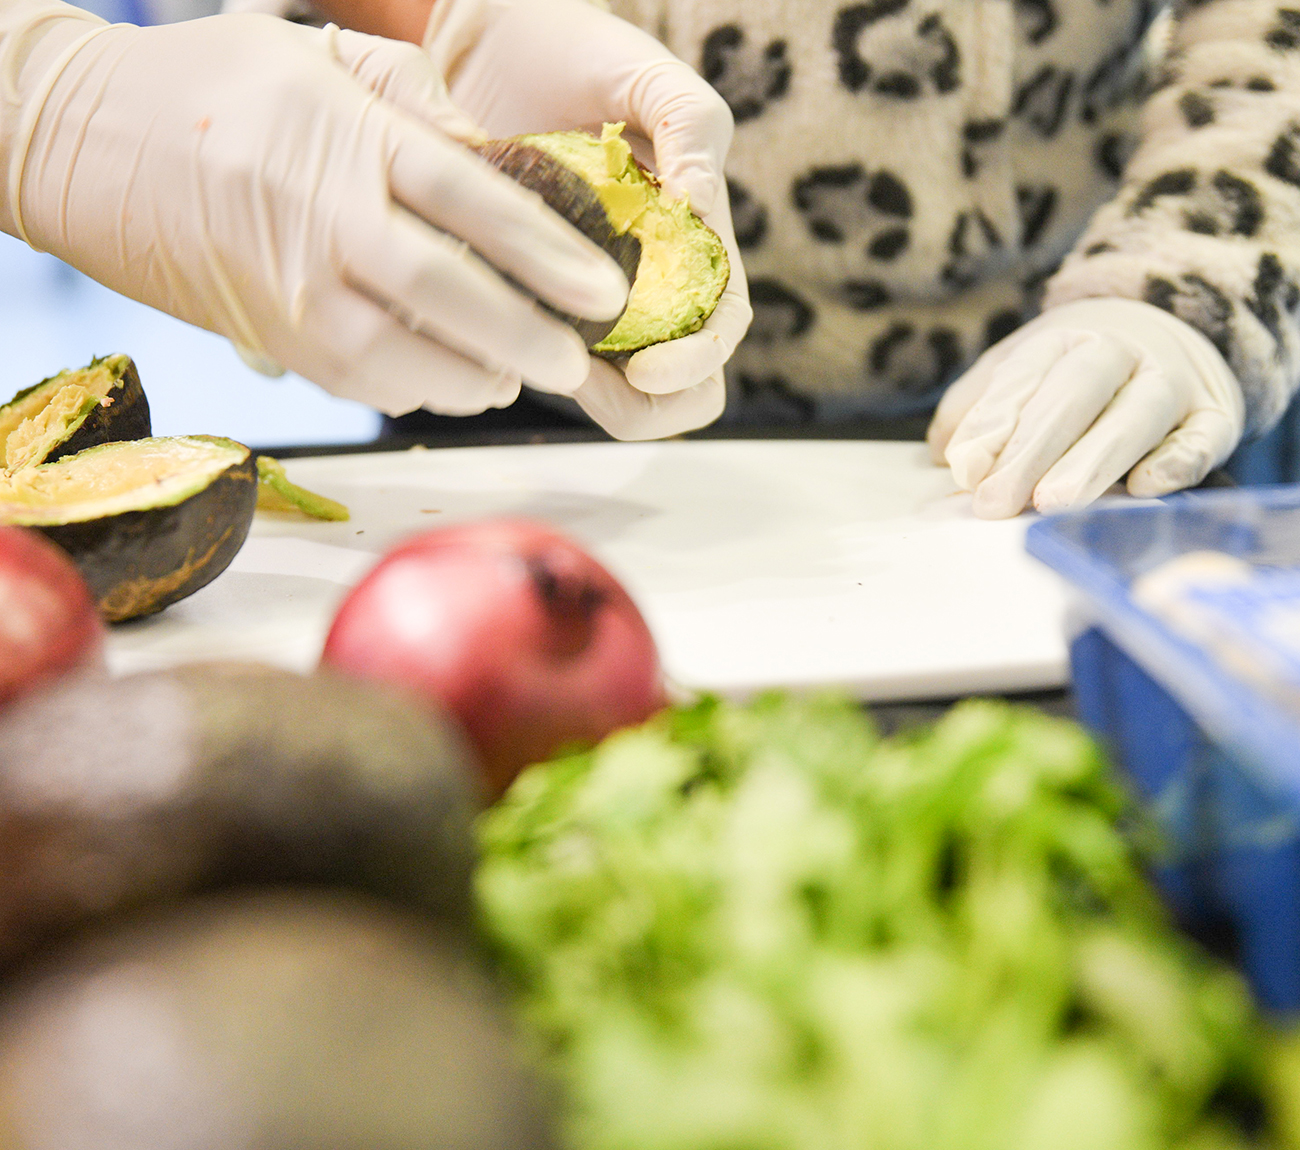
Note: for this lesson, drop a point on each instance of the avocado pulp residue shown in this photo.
(40, 418)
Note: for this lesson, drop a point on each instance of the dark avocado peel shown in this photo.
(682, 267)
(73, 410)
(577, 202)
(147, 521)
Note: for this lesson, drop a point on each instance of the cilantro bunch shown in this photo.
(762, 927)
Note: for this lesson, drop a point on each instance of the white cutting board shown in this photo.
(757, 563)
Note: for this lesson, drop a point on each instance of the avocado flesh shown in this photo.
(38, 419)
(115, 477)
(683, 267)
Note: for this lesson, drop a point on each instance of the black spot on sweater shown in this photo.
(847, 204)
(748, 216)
(779, 312)
(884, 49)
(746, 75)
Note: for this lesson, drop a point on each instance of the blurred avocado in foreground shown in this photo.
(683, 266)
(293, 1020)
(73, 410)
(120, 792)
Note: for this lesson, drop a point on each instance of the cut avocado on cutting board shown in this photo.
(147, 521)
(757, 563)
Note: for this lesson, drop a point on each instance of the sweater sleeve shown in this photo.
(1206, 223)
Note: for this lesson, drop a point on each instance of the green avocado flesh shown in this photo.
(147, 521)
(114, 478)
(73, 410)
(683, 267)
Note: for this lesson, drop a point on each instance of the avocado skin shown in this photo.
(288, 1019)
(120, 793)
(127, 417)
(567, 193)
(138, 562)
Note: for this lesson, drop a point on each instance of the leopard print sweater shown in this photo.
(911, 179)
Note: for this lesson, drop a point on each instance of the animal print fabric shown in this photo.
(908, 176)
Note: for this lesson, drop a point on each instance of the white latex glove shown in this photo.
(242, 173)
(520, 66)
(1066, 406)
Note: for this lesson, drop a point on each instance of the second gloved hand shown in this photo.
(1081, 396)
(519, 66)
(241, 173)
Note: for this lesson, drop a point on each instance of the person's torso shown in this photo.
(904, 174)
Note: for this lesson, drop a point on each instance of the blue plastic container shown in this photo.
(1217, 761)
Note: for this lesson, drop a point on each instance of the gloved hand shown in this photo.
(520, 66)
(1070, 403)
(240, 173)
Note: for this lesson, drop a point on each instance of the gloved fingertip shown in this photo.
(458, 127)
(1150, 481)
(664, 368)
(700, 186)
(259, 361)
(997, 498)
(564, 374)
(970, 462)
(1050, 500)
(937, 444)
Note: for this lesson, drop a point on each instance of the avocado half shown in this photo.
(682, 267)
(69, 412)
(147, 521)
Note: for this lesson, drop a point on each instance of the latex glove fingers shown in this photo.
(399, 74)
(1141, 414)
(501, 226)
(1188, 454)
(682, 363)
(690, 126)
(273, 173)
(447, 292)
(629, 414)
(1131, 428)
(1083, 394)
(368, 355)
(1041, 399)
(511, 227)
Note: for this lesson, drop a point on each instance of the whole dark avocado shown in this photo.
(120, 792)
(293, 1020)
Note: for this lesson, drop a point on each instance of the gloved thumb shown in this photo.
(1201, 442)
(690, 126)
(402, 75)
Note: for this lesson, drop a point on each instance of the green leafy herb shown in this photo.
(763, 928)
